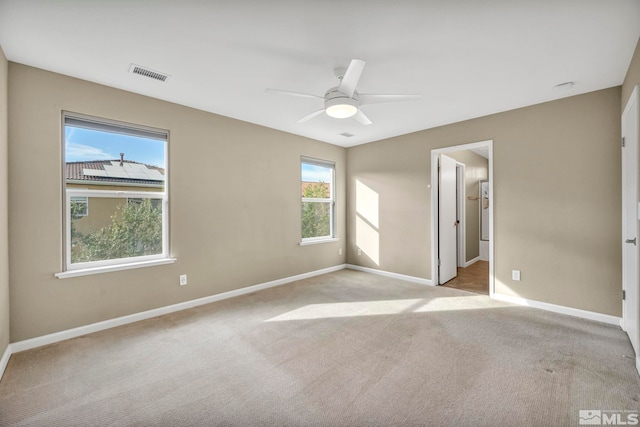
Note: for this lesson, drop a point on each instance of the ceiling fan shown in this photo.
(344, 101)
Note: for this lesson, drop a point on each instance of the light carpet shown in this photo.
(343, 349)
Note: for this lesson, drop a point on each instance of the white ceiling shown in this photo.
(468, 58)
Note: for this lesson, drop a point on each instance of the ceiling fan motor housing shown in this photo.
(339, 105)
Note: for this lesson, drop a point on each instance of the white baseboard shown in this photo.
(576, 312)
(5, 360)
(119, 321)
(389, 274)
(473, 261)
(599, 317)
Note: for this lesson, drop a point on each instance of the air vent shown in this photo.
(346, 134)
(145, 72)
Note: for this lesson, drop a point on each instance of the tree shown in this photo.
(136, 230)
(316, 216)
(78, 210)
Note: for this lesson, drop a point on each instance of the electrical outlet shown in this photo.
(359, 251)
(340, 251)
(183, 279)
(515, 275)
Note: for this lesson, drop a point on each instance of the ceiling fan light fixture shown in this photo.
(341, 111)
(341, 108)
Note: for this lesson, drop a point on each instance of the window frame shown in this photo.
(80, 268)
(331, 200)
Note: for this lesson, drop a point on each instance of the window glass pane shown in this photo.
(155, 203)
(79, 206)
(316, 219)
(316, 181)
(96, 157)
(116, 229)
(115, 159)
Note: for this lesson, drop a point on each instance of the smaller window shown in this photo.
(318, 199)
(79, 206)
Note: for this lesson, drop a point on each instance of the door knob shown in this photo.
(631, 241)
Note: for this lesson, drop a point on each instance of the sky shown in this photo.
(86, 145)
(313, 173)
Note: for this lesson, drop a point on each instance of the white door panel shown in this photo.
(630, 307)
(447, 219)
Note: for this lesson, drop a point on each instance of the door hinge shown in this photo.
(624, 295)
(623, 142)
(438, 263)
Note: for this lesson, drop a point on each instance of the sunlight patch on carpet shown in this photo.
(384, 307)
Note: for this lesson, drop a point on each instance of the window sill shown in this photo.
(318, 241)
(110, 268)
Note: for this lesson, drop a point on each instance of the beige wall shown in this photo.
(556, 199)
(476, 168)
(234, 195)
(4, 240)
(632, 77)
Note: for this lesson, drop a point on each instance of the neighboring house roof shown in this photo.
(114, 171)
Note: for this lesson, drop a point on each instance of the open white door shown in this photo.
(631, 303)
(447, 220)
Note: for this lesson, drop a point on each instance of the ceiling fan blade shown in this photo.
(362, 118)
(370, 98)
(311, 116)
(287, 92)
(349, 82)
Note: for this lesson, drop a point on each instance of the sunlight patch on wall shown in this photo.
(367, 203)
(367, 222)
(368, 240)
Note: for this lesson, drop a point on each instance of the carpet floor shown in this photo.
(342, 349)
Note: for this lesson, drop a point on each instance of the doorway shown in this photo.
(471, 268)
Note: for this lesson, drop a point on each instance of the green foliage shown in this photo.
(316, 216)
(77, 211)
(136, 230)
(316, 190)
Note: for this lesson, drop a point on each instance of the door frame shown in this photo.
(434, 207)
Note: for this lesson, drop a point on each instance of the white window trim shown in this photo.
(104, 266)
(304, 241)
(318, 240)
(110, 268)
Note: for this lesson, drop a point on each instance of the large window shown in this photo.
(120, 171)
(317, 199)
